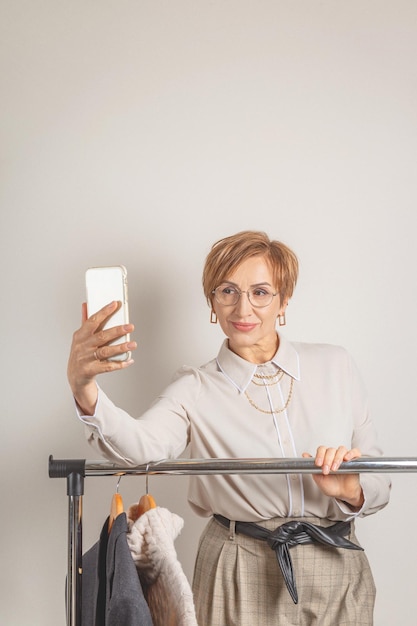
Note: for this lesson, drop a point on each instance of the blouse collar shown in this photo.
(240, 372)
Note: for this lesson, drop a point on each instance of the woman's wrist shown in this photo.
(356, 501)
(86, 399)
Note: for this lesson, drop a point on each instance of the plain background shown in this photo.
(140, 132)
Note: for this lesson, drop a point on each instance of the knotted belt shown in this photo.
(291, 534)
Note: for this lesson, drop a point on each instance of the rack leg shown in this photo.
(75, 489)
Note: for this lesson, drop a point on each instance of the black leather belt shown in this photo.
(291, 534)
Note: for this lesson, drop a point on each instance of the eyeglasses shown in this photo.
(229, 295)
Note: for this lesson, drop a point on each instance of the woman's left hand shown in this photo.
(344, 487)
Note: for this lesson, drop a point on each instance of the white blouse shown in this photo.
(230, 408)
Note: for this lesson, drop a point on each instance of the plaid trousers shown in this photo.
(237, 582)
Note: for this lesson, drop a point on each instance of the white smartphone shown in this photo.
(104, 285)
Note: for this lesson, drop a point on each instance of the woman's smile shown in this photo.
(244, 327)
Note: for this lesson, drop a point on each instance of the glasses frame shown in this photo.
(239, 293)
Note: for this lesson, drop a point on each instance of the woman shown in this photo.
(261, 397)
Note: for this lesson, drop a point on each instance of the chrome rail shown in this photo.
(251, 466)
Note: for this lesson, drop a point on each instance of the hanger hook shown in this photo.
(147, 480)
(118, 483)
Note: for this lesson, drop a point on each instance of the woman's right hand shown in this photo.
(90, 351)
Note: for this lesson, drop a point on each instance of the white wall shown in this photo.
(139, 132)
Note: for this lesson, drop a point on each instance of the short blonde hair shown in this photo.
(228, 253)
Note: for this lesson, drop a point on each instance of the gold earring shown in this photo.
(281, 319)
(213, 317)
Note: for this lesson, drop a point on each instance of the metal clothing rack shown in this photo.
(75, 470)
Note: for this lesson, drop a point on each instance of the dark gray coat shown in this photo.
(111, 591)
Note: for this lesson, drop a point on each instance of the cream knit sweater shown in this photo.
(166, 588)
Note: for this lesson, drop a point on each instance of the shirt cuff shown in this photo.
(348, 511)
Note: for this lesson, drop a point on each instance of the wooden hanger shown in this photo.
(116, 506)
(146, 503)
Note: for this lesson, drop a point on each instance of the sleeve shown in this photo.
(161, 432)
(376, 487)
